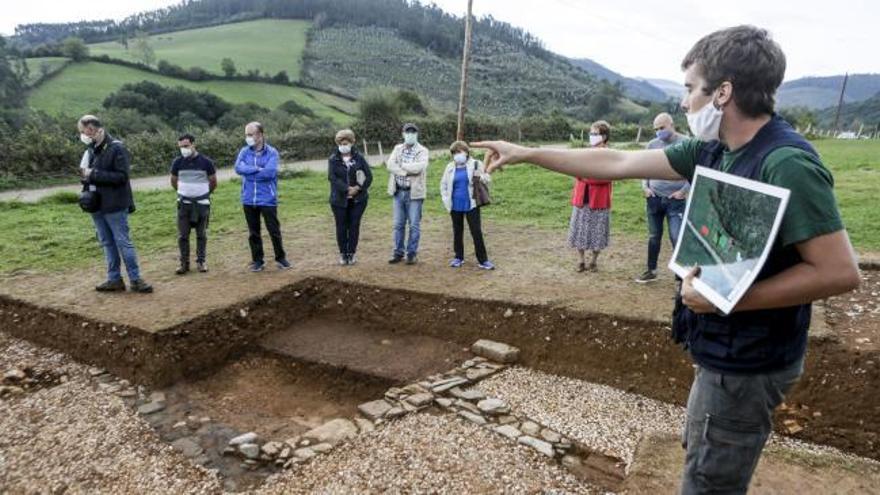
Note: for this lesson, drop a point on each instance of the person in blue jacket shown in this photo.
(257, 164)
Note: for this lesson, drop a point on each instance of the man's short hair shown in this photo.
(187, 137)
(90, 121)
(257, 125)
(746, 57)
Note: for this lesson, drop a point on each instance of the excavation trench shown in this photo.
(313, 350)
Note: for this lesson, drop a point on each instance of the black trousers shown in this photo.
(473, 221)
(192, 216)
(270, 217)
(348, 225)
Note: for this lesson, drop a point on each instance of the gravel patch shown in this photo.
(72, 438)
(606, 419)
(427, 453)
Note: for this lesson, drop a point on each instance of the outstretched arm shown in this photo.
(594, 163)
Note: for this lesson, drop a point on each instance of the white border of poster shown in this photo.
(726, 304)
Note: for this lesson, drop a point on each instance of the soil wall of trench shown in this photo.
(839, 383)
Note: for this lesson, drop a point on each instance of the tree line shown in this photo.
(424, 24)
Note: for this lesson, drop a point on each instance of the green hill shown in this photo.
(633, 88)
(341, 46)
(40, 66)
(80, 88)
(503, 80)
(853, 115)
(822, 92)
(268, 45)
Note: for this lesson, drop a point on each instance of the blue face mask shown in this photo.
(664, 134)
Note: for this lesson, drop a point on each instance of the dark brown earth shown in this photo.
(399, 357)
(856, 316)
(279, 398)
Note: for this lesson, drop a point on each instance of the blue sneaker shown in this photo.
(456, 262)
(487, 265)
(256, 266)
(283, 264)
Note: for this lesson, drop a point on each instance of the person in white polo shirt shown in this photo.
(194, 178)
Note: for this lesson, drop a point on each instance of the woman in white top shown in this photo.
(457, 192)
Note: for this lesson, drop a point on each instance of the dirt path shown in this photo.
(223, 174)
(159, 181)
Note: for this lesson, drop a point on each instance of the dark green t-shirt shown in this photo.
(812, 210)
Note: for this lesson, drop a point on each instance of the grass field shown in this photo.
(59, 235)
(267, 45)
(37, 66)
(82, 87)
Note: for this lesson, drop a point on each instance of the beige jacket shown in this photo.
(474, 167)
(416, 169)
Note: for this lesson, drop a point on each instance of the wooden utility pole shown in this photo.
(465, 62)
(840, 104)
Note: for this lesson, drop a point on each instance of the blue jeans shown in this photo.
(729, 418)
(112, 229)
(658, 209)
(406, 210)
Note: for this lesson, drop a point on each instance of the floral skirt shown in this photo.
(589, 229)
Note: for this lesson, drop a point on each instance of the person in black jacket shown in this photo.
(105, 169)
(350, 178)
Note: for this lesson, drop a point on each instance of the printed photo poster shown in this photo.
(729, 227)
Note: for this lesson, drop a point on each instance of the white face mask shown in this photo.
(596, 140)
(460, 158)
(86, 140)
(345, 149)
(705, 123)
(250, 140)
(410, 138)
(186, 152)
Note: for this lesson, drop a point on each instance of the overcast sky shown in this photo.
(637, 38)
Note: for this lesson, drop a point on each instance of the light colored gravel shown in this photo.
(604, 418)
(72, 439)
(426, 453)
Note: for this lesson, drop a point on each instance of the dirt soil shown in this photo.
(278, 398)
(534, 266)
(856, 316)
(374, 352)
(659, 459)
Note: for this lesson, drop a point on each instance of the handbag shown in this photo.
(481, 194)
(89, 201)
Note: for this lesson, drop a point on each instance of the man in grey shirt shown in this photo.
(665, 199)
